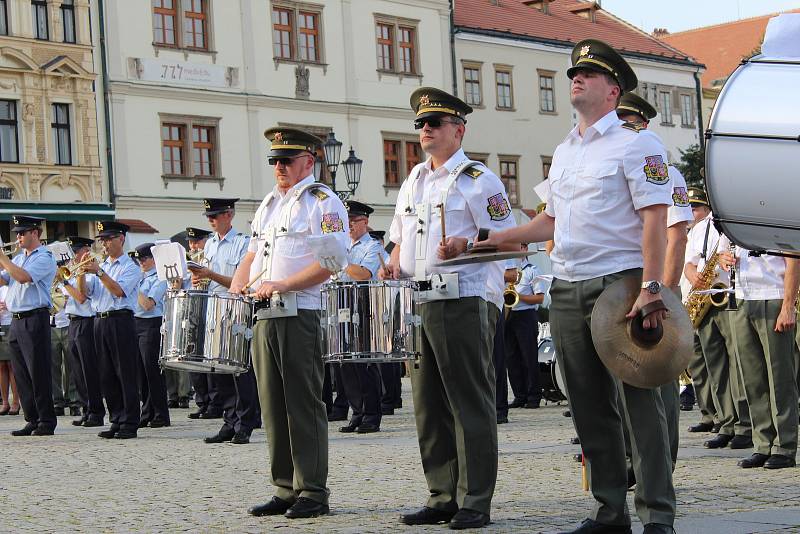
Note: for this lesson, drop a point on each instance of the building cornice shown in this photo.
(165, 92)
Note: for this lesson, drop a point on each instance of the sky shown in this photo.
(680, 15)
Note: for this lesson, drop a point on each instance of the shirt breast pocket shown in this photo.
(599, 183)
(456, 214)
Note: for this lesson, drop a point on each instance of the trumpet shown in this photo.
(65, 272)
(199, 257)
(9, 248)
(510, 295)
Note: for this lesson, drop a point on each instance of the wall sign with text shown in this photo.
(182, 73)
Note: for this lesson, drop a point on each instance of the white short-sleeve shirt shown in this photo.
(696, 254)
(598, 181)
(679, 210)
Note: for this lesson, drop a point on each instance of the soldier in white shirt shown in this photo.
(636, 110)
(454, 386)
(286, 349)
(764, 328)
(607, 212)
(717, 341)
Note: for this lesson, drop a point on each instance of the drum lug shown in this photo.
(248, 334)
(184, 324)
(344, 315)
(412, 319)
(356, 318)
(385, 317)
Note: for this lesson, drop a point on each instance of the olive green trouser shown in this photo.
(593, 397)
(702, 385)
(724, 375)
(454, 404)
(769, 370)
(178, 384)
(287, 360)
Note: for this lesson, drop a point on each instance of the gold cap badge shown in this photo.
(207, 204)
(585, 50)
(99, 227)
(16, 221)
(279, 137)
(424, 100)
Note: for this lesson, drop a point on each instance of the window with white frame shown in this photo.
(39, 19)
(68, 20)
(181, 24)
(665, 103)
(9, 140)
(472, 84)
(62, 137)
(687, 115)
(297, 32)
(396, 45)
(547, 95)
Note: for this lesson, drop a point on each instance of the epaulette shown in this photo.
(319, 193)
(473, 171)
(631, 126)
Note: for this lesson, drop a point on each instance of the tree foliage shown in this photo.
(691, 165)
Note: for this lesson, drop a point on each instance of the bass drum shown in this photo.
(549, 372)
(752, 155)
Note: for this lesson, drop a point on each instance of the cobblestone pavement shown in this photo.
(168, 480)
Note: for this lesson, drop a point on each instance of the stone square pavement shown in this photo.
(168, 480)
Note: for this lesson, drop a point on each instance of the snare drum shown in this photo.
(752, 154)
(370, 322)
(206, 333)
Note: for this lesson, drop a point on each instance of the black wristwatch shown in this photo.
(652, 286)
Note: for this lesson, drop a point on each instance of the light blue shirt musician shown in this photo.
(41, 268)
(530, 284)
(224, 249)
(73, 308)
(152, 289)
(364, 252)
(126, 273)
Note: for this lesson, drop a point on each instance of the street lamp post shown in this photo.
(352, 166)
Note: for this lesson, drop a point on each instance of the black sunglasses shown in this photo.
(433, 122)
(285, 161)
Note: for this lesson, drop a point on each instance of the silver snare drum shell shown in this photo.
(752, 154)
(206, 333)
(370, 321)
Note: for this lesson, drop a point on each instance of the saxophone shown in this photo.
(698, 304)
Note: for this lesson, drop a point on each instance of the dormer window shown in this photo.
(586, 10)
(541, 5)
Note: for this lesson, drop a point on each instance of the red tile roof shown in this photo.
(721, 47)
(138, 226)
(561, 26)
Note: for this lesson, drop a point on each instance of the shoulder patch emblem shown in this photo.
(680, 197)
(656, 170)
(631, 126)
(498, 207)
(319, 193)
(474, 172)
(331, 222)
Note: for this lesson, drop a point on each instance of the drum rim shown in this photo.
(411, 284)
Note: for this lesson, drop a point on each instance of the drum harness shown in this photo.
(280, 305)
(437, 286)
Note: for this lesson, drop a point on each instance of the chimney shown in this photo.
(658, 33)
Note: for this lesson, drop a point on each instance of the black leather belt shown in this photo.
(29, 313)
(79, 317)
(114, 313)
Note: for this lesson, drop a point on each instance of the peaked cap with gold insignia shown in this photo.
(111, 228)
(600, 57)
(286, 142)
(430, 102)
(197, 233)
(22, 223)
(215, 206)
(633, 103)
(697, 197)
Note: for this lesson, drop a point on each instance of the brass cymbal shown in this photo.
(635, 361)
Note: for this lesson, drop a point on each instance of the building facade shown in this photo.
(194, 84)
(511, 64)
(50, 143)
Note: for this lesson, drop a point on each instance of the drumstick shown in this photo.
(444, 231)
(254, 280)
(584, 476)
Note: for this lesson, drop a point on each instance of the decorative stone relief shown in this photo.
(301, 74)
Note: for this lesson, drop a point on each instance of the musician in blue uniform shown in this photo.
(29, 277)
(362, 382)
(81, 349)
(148, 316)
(223, 251)
(113, 291)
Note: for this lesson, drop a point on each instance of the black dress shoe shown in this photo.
(348, 429)
(590, 526)
(687, 407)
(183, 403)
(779, 461)
(517, 403)
(658, 528)
(197, 414)
(718, 442)
(532, 405)
(427, 516)
(74, 411)
(108, 434)
(59, 411)
(211, 415)
(741, 442)
(275, 506)
(219, 437)
(701, 427)
(78, 422)
(172, 404)
(305, 508)
(92, 422)
(125, 434)
(367, 428)
(27, 430)
(575, 441)
(716, 427)
(466, 518)
(501, 420)
(241, 438)
(143, 423)
(334, 417)
(566, 413)
(158, 423)
(754, 460)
